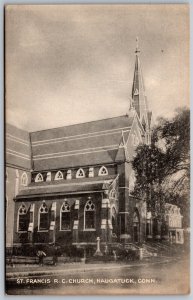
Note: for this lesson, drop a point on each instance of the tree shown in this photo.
(149, 169)
(163, 168)
(173, 136)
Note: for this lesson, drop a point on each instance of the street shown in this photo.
(167, 277)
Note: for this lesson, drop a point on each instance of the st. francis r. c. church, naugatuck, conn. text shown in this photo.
(71, 185)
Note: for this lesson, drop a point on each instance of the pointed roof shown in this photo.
(57, 188)
(122, 154)
(138, 89)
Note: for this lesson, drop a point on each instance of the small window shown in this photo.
(39, 178)
(136, 92)
(113, 194)
(24, 179)
(59, 176)
(65, 218)
(80, 173)
(22, 218)
(103, 171)
(135, 139)
(89, 215)
(43, 217)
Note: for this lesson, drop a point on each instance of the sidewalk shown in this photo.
(69, 268)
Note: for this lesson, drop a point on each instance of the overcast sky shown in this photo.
(75, 63)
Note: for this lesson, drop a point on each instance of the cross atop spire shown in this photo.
(137, 46)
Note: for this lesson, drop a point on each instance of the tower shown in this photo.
(139, 99)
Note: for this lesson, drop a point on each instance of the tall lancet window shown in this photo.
(23, 219)
(89, 215)
(65, 216)
(24, 179)
(43, 217)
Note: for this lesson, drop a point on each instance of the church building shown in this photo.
(71, 185)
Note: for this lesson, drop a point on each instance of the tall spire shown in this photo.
(139, 101)
(137, 46)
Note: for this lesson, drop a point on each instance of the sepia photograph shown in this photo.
(97, 149)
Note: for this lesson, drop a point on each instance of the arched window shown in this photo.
(59, 176)
(136, 92)
(22, 218)
(39, 178)
(103, 171)
(24, 179)
(136, 217)
(113, 194)
(89, 215)
(65, 219)
(43, 217)
(80, 173)
(135, 139)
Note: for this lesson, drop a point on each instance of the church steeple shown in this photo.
(139, 101)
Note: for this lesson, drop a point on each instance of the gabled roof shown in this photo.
(122, 150)
(66, 187)
(84, 144)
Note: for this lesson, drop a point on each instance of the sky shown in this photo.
(68, 64)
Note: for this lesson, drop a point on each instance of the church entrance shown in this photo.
(136, 227)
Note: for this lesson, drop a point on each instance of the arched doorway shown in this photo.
(136, 226)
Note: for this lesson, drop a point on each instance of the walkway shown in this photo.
(70, 268)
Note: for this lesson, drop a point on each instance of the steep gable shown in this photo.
(136, 136)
